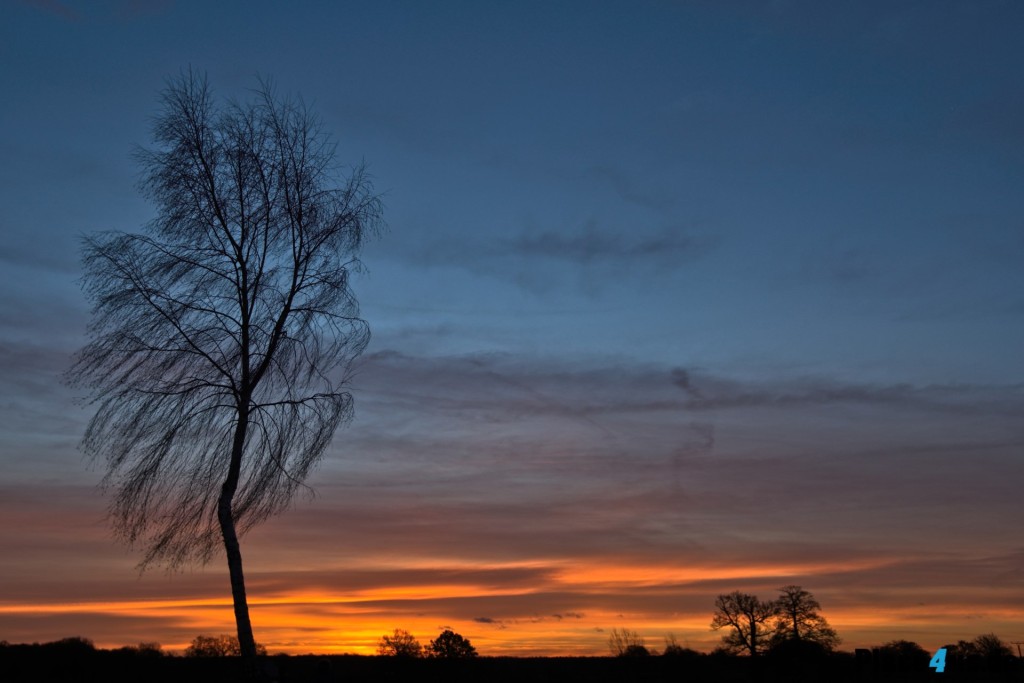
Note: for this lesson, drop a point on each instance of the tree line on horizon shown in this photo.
(752, 626)
(77, 659)
(622, 643)
(791, 626)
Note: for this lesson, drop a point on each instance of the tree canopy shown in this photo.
(754, 625)
(746, 618)
(798, 619)
(626, 643)
(451, 645)
(400, 643)
(218, 646)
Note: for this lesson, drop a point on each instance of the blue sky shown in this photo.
(678, 283)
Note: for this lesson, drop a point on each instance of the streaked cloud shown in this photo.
(592, 255)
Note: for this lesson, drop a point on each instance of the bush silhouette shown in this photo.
(400, 643)
(218, 646)
(626, 643)
(450, 645)
(902, 655)
(143, 650)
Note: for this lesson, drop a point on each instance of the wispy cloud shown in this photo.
(590, 256)
(716, 393)
(590, 245)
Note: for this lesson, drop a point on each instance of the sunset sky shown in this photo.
(677, 298)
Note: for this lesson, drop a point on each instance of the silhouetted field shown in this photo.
(79, 663)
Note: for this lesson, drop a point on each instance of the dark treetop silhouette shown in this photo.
(222, 336)
(798, 619)
(746, 617)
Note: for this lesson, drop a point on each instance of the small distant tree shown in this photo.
(985, 653)
(904, 648)
(991, 648)
(960, 656)
(746, 617)
(674, 649)
(209, 646)
(77, 642)
(218, 646)
(450, 645)
(672, 646)
(144, 649)
(798, 619)
(626, 643)
(400, 643)
(73, 646)
(903, 655)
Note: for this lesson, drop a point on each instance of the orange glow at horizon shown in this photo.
(322, 621)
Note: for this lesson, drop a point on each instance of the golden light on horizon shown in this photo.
(513, 620)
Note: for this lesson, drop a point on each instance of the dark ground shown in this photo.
(78, 663)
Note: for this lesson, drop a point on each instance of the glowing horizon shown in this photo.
(354, 621)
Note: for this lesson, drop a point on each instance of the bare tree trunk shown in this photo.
(246, 641)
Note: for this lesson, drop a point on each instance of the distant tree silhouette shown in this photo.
(626, 643)
(451, 645)
(747, 618)
(145, 649)
(400, 643)
(680, 651)
(221, 337)
(798, 650)
(218, 646)
(72, 646)
(674, 649)
(798, 619)
(991, 647)
(985, 652)
(902, 655)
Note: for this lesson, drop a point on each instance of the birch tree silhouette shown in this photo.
(222, 336)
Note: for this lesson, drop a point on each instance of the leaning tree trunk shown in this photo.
(246, 642)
